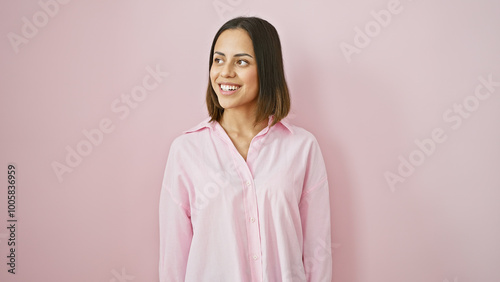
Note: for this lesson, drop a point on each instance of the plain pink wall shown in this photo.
(368, 83)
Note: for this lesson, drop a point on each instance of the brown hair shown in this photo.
(273, 97)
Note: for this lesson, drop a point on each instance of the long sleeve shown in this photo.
(314, 210)
(176, 231)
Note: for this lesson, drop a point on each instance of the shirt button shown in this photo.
(255, 257)
(249, 183)
(252, 219)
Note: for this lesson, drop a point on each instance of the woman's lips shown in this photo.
(228, 89)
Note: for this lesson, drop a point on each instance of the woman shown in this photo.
(245, 193)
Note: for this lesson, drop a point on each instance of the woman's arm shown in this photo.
(175, 222)
(314, 210)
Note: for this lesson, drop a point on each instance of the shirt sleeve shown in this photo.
(314, 210)
(176, 230)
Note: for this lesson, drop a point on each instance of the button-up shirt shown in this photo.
(227, 219)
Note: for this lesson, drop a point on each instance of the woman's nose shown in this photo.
(227, 71)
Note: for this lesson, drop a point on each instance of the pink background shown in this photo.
(100, 223)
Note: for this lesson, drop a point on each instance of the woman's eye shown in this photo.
(242, 62)
(217, 60)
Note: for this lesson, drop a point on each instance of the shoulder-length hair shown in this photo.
(273, 97)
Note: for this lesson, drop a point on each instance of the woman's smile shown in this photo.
(228, 89)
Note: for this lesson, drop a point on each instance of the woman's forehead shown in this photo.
(233, 41)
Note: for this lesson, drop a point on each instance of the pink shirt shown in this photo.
(224, 219)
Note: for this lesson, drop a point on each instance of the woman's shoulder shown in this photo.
(192, 135)
(297, 132)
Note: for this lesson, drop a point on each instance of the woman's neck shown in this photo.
(241, 122)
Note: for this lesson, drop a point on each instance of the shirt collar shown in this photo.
(207, 124)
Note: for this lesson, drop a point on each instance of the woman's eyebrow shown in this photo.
(242, 54)
(236, 55)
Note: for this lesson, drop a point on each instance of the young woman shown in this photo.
(245, 195)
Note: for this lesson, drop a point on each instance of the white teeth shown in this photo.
(226, 87)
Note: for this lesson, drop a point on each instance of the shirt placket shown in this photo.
(252, 223)
(250, 204)
(251, 207)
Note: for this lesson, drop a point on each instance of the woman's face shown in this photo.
(233, 74)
